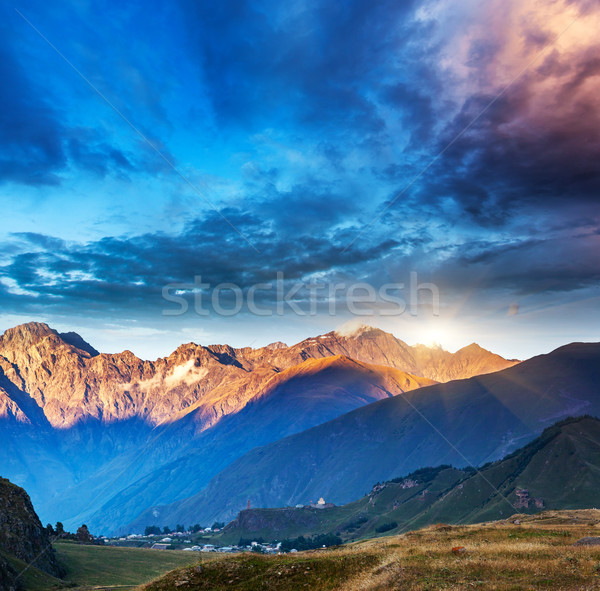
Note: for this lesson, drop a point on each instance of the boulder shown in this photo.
(588, 541)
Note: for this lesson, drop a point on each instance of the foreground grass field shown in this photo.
(535, 554)
(107, 567)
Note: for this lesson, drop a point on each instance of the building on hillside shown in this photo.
(525, 500)
(321, 504)
(159, 546)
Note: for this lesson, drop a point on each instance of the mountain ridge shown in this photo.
(38, 360)
(369, 444)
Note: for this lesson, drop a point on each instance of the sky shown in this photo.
(155, 154)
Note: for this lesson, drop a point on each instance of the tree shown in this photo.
(318, 541)
(386, 527)
(179, 527)
(60, 529)
(50, 530)
(218, 525)
(152, 530)
(83, 535)
(166, 530)
(196, 528)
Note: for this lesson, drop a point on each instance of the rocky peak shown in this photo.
(26, 335)
(276, 345)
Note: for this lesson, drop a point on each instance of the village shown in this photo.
(184, 540)
(196, 538)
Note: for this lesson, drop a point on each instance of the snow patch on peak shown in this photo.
(352, 328)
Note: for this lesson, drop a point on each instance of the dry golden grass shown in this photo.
(537, 554)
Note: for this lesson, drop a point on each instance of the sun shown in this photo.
(436, 335)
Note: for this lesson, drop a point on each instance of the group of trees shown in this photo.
(155, 530)
(386, 527)
(83, 535)
(310, 543)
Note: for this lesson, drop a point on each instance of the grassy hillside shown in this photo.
(28, 577)
(108, 566)
(558, 470)
(535, 554)
(391, 501)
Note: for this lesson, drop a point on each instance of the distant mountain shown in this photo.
(373, 345)
(84, 430)
(462, 422)
(558, 470)
(23, 540)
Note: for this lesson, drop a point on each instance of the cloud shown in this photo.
(296, 64)
(50, 123)
(31, 150)
(128, 272)
(524, 139)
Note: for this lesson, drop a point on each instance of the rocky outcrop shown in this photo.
(8, 575)
(21, 532)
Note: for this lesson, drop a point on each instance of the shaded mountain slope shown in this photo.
(558, 470)
(435, 425)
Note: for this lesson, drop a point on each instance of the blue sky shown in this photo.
(354, 142)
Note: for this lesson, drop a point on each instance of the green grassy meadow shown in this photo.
(110, 567)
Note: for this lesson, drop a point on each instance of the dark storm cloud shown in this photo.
(526, 267)
(126, 274)
(35, 145)
(312, 65)
(38, 143)
(88, 150)
(361, 85)
(537, 146)
(31, 149)
(416, 108)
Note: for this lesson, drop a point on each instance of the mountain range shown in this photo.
(100, 437)
(463, 423)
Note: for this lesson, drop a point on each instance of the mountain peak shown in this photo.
(28, 333)
(37, 328)
(76, 340)
(474, 347)
(276, 345)
(355, 329)
(32, 333)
